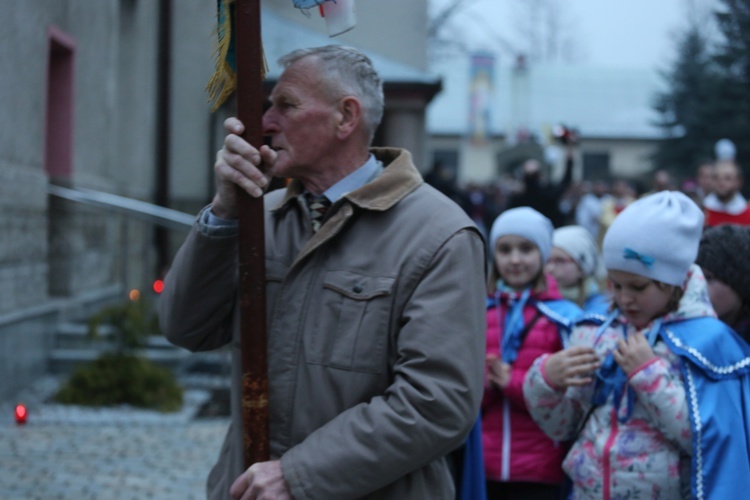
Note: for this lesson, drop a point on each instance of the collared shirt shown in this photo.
(368, 172)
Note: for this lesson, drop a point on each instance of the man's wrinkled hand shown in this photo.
(239, 164)
(262, 481)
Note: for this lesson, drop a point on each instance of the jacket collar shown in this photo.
(399, 178)
(735, 206)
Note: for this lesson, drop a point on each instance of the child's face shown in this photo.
(518, 260)
(726, 302)
(564, 269)
(640, 299)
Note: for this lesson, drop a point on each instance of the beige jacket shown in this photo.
(375, 335)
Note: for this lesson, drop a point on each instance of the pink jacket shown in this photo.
(515, 448)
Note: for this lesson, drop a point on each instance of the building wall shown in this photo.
(404, 127)
(60, 259)
(192, 150)
(626, 158)
(377, 21)
(23, 204)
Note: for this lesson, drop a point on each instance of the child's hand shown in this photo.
(571, 367)
(497, 371)
(633, 352)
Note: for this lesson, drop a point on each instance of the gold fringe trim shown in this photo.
(224, 80)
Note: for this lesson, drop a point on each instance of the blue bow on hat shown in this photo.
(629, 253)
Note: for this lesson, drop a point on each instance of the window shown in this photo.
(595, 166)
(445, 163)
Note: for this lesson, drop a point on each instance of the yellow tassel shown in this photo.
(224, 80)
(221, 85)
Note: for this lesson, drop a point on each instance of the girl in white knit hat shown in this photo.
(526, 317)
(656, 396)
(577, 267)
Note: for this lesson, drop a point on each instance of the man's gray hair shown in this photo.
(347, 71)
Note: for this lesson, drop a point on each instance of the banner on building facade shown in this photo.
(480, 96)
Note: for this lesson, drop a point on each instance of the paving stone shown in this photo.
(120, 453)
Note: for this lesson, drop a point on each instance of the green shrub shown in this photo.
(118, 378)
(133, 321)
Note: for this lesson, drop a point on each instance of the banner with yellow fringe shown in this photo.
(224, 80)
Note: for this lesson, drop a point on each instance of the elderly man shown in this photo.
(375, 310)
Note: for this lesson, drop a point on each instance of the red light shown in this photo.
(158, 286)
(21, 414)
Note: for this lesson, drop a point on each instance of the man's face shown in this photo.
(301, 121)
(662, 181)
(726, 181)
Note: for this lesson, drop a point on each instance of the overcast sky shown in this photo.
(619, 33)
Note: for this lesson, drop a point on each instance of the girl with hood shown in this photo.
(655, 395)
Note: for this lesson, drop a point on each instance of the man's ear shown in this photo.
(350, 110)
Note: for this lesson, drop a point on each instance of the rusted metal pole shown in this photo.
(252, 252)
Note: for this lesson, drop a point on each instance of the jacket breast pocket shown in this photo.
(276, 271)
(351, 325)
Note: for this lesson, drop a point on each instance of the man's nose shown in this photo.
(270, 125)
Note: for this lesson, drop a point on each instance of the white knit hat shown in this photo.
(577, 242)
(656, 237)
(527, 223)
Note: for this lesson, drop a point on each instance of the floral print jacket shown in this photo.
(647, 455)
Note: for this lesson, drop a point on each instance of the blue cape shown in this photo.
(472, 482)
(716, 369)
(564, 313)
(597, 303)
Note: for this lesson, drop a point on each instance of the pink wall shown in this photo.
(58, 152)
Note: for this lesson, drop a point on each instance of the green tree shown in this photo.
(708, 92)
(733, 59)
(689, 107)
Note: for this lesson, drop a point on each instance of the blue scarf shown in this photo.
(512, 325)
(611, 379)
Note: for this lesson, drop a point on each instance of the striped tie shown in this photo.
(318, 205)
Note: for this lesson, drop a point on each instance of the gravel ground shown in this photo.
(122, 452)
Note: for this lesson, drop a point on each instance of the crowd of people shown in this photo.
(657, 286)
(592, 358)
(593, 204)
